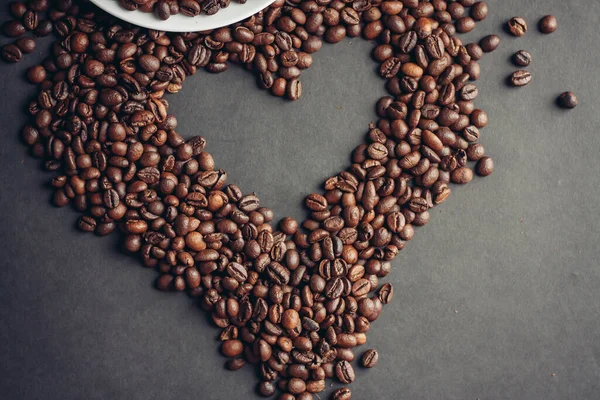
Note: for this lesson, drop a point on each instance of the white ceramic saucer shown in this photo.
(235, 12)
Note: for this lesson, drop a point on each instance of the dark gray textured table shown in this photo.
(498, 297)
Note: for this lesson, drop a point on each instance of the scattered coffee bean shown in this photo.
(370, 358)
(489, 43)
(36, 74)
(520, 78)
(548, 24)
(479, 11)
(568, 100)
(11, 53)
(342, 394)
(522, 58)
(485, 166)
(26, 45)
(517, 26)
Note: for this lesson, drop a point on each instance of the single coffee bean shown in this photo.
(36, 74)
(520, 78)
(26, 45)
(522, 58)
(344, 372)
(479, 11)
(489, 43)
(44, 28)
(465, 24)
(11, 53)
(548, 24)
(485, 166)
(232, 348)
(474, 50)
(567, 100)
(234, 364)
(462, 175)
(267, 389)
(343, 393)
(517, 26)
(370, 358)
(294, 89)
(13, 29)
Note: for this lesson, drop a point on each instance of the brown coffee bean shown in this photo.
(489, 43)
(461, 175)
(548, 24)
(370, 358)
(485, 166)
(520, 78)
(11, 53)
(517, 26)
(344, 372)
(522, 58)
(344, 393)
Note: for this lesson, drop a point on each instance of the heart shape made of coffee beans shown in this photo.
(292, 300)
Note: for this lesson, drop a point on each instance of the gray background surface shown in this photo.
(498, 297)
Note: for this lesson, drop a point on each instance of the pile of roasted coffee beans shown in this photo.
(163, 9)
(293, 299)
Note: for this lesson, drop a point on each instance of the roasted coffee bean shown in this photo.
(479, 11)
(461, 175)
(234, 364)
(522, 58)
(520, 78)
(568, 100)
(517, 26)
(13, 29)
(489, 43)
(485, 166)
(548, 24)
(343, 393)
(11, 53)
(26, 45)
(344, 372)
(386, 293)
(370, 358)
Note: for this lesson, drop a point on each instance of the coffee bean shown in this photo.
(520, 78)
(567, 100)
(232, 348)
(13, 29)
(234, 364)
(386, 293)
(11, 53)
(370, 358)
(294, 89)
(36, 74)
(30, 20)
(44, 28)
(26, 45)
(485, 166)
(465, 24)
(17, 9)
(522, 58)
(344, 372)
(344, 393)
(479, 11)
(266, 389)
(462, 175)
(489, 43)
(548, 24)
(517, 26)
